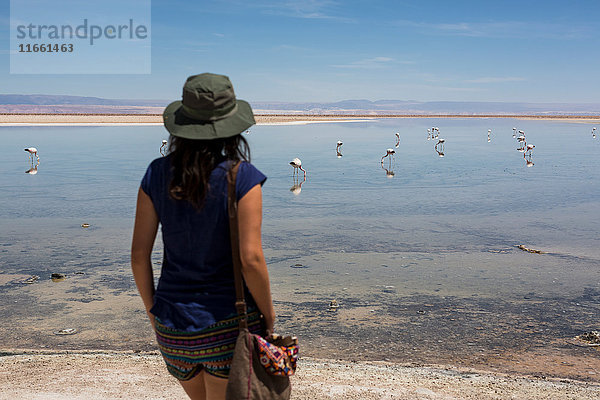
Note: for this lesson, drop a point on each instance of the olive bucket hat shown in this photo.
(208, 110)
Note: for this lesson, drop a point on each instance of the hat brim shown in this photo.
(180, 125)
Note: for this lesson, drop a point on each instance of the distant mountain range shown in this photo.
(54, 100)
(431, 107)
(15, 103)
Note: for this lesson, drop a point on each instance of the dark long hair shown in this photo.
(193, 161)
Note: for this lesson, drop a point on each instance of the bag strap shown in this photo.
(240, 303)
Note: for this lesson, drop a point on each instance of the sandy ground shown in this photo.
(261, 119)
(149, 119)
(117, 375)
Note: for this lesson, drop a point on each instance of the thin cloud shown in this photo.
(496, 79)
(503, 29)
(219, 35)
(306, 9)
(372, 63)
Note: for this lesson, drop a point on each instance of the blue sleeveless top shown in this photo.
(196, 286)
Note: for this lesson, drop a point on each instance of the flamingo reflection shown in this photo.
(338, 149)
(439, 147)
(388, 172)
(527, 157)
(33, 170)
(297, 187)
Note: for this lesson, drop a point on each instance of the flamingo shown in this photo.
(397, 139)
(530, 147)
(489, 133)
(429, 134)
(594, 132)
(514, 132)
(163, 147)
(389, 152)
(33, 152)
(297, 164)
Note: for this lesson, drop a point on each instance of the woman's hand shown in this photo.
(254, 267)
(152, 319)
(144, 234)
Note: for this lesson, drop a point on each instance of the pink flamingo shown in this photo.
(33, 152)
(297, 164)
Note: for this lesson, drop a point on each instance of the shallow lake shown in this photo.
(418, 250)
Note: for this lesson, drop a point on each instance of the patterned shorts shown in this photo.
(188, 353)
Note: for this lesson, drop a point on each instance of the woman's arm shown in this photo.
(144, 234)
(254, 266)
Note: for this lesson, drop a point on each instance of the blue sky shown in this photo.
(308, 50)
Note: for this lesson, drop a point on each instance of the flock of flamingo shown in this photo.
(524, 147)
(433, 133)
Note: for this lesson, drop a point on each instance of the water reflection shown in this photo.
(338, 149)
(439, 147)
(34, 169)
(388, 171)
(528, 161)
(297, 187)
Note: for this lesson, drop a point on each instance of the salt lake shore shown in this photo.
(95, 375)
(261, 119)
